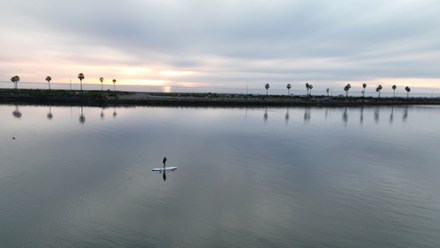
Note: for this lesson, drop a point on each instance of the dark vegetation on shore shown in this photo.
(115, 98)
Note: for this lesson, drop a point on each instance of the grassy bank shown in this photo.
(102, 98)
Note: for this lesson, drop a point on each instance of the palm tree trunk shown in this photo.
(81, 85)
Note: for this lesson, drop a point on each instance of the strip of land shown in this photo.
(121, 98)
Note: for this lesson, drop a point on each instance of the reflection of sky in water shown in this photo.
(249, 177)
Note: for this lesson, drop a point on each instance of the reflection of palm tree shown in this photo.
(376, 115)
(405, 113)
(102, 113)
(345, 116)
(287, 116)
(48, 79)
(16, 113)
(266, 116)
(267, 86)
(50, 115)
(362, 114)
(114, 112)
(81, 77)
(82, 118)
(307, 114)
(392, 114)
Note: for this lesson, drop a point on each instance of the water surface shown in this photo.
(276, 177)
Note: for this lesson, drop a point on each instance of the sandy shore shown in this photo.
(99, 98)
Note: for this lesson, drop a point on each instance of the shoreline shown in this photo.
(124, 98)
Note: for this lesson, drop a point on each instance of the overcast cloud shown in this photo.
(225, 43)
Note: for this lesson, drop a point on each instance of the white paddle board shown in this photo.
(165, 169)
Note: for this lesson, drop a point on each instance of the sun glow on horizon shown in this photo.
(166, 89)
(169, 76)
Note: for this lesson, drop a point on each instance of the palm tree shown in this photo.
(394, 87)
(408, 89)
(310, 89)
(114, 84)
(81, 77)
(364, 85)
(267, 86)
(48, 79)
(307, 88)
(288, 88)
(347, 88)
(328, 91)
(101, 79)
(378, 89)
(15, 79)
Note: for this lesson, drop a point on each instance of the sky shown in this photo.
(223, 44)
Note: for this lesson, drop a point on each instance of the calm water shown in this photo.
(277, 177)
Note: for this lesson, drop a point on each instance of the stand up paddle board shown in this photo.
(165, 169)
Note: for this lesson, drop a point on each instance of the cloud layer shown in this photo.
(223, 43)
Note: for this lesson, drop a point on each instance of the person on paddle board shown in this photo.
(164, 161)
